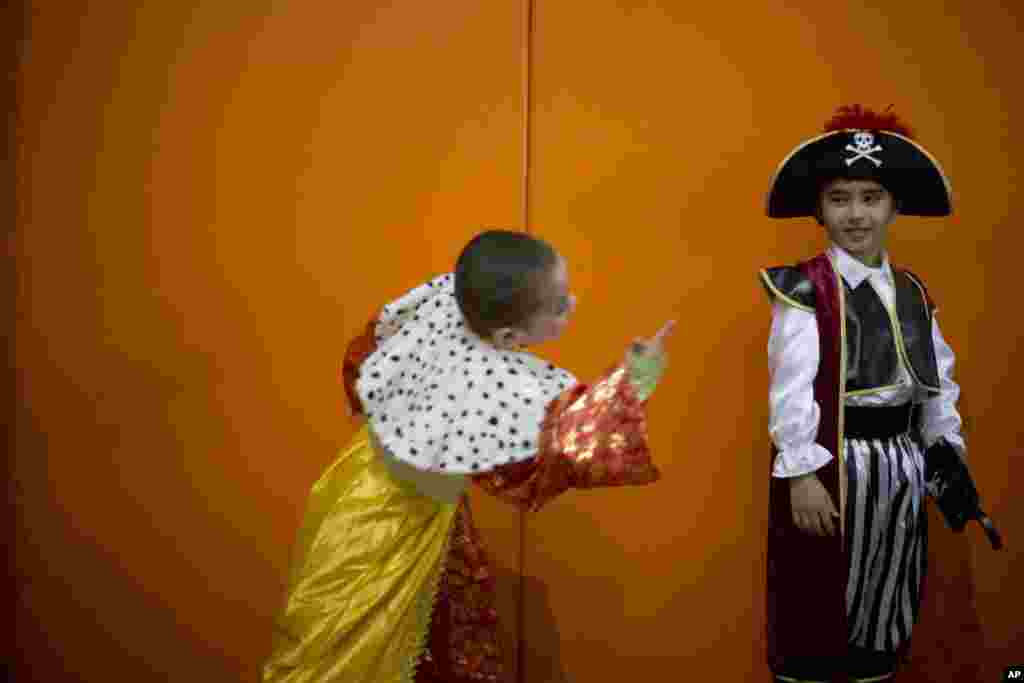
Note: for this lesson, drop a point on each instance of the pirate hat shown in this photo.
(861, 144)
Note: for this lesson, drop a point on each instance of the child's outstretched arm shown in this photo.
(594, 435)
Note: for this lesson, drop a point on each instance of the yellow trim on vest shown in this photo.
(790, 679)
(876, 390)
(924, 297)
(774, 290)
(897, 333)
(920, 286)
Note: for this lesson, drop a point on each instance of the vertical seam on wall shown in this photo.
(527, 104)
(526, 52)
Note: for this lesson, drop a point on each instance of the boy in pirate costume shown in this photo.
(862, 407)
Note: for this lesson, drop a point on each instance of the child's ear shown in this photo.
(817, 210)
(505, 337)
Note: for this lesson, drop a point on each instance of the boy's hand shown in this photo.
(813, 509)
(654, 345)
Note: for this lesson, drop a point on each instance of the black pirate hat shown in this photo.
(859, 143)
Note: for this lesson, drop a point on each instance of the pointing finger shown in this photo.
(665, 330)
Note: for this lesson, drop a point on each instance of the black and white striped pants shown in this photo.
(886, 536)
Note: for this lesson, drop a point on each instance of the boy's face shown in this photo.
(857, 214)
(553, 317)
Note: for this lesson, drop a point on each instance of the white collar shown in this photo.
(855, 272)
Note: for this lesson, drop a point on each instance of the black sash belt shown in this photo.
(883, 422)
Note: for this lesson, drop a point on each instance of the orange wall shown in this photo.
(214, 198)
(655, 132)
(217, 198)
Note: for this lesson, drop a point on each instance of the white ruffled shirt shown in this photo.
(793, 356)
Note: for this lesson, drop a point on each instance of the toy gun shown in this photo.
(955, 492)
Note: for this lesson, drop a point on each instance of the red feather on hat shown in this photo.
(861, 118)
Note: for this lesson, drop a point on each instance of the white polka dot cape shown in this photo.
(442, 399)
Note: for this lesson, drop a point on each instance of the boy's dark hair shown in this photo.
(498, 277)
(887, 181)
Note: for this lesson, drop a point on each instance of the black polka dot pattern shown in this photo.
(444, 400)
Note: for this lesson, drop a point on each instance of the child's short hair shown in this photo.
(887, 180)
(498, 279)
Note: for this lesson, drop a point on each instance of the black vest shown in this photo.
(873, 352)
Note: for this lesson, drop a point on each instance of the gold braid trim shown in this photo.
(775, 291)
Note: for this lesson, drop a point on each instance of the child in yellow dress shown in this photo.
(389, 580)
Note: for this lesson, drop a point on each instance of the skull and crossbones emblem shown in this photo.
(863, 147)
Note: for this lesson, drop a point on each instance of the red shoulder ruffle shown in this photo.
(357, 352)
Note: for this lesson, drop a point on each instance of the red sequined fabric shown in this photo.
(464, 644)
(593, 436)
